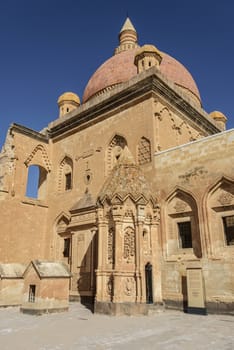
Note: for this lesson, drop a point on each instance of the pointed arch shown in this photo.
(65, 177)
(219, 208)
(62, 238)
(182, 223)
(114, 150)
(144, 151)
(40, 157)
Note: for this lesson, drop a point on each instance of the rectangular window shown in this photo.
(66, 251)
(68, 181)
(185, 234)
(228, 223)
(32, 293)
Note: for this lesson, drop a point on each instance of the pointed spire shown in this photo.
(128, 25)
(127, 37)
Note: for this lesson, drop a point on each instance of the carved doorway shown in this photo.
(149, 283)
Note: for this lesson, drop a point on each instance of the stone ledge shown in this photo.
(39, 312)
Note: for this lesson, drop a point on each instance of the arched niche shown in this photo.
(220, 214)
(182, 223)
(62, 238)
(144, 151)
(65, 179)
(114, 150)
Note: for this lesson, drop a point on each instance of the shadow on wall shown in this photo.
(86, 283)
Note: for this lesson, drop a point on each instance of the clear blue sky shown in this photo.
(52, 46)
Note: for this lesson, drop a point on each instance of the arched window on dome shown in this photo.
(114, 151)
(144, 151)
(65, 174)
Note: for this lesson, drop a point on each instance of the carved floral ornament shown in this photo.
(225, 198)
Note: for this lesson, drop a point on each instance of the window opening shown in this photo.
(66, 251)
(32, 293)
(228, 223)
(33, 181)
(68, 181)
(185, 234)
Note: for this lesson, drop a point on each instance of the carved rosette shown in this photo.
(225, 198)
(129, 245)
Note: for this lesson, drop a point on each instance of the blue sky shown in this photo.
(52, 46)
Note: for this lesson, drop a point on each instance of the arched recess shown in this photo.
(36, 182)
(65, 178)
(38, 166)
(219, 203)
(182, 223)
(63, 243)
(114, 150)
(144, 151)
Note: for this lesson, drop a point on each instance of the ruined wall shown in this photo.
(22, 219)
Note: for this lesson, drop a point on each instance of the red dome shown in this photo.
(121, 68)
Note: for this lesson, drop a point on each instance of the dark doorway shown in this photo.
(148, 283)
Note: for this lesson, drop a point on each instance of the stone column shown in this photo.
(140, 276)
(117, 217)
(102, 239)
(156, 257)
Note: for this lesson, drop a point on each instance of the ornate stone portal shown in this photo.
(127, 206)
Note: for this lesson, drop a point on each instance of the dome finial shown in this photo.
(127, 37)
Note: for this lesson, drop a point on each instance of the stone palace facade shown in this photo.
(135, 187)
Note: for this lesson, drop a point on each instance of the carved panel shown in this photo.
(110, 247)
(114, 151)
(129, 245)
(225, 198)
(129, 286)
(144, 151)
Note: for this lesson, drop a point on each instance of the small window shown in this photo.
(66, 251)
(67, 109)
(149, 63)
(32, 293)
(228, 223)
(68, 182)
(185, 234)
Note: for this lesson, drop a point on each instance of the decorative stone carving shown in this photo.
(225, 198)
(144, 151)
(110, 248)
(129, 245)
(195, 173)
(156, 215)
(109, 286)
(65, 167)
(45, 158)
(128, 213)
(114, 151)
(129, 286)
(180, 206)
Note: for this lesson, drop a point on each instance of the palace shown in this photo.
(135, 189)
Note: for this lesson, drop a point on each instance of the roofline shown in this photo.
(29, 132)
(188, 144)
(148, 82)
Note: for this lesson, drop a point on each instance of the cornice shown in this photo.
(148, 83)
(29, 132)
